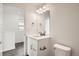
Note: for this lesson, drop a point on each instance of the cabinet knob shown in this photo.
(31, 46)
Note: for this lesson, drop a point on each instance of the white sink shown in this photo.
(38, 37)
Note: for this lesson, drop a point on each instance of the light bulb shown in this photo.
(44, 7)
(40, 9)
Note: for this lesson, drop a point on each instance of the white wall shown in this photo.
(11, 20)
(19, 35)
(9, 26)
(10, 15)
(64, 26)
(32, 17)
(1, 27)
(9, 41)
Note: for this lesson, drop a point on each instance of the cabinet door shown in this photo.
(32, 47)
(29, 43)
(43, 44)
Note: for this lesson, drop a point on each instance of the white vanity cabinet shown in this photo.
(38, 46)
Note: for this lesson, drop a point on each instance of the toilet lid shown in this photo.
(65, 48)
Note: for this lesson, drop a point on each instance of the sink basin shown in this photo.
(36, 36)
(39, 36)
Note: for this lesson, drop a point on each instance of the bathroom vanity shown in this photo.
(38, 45)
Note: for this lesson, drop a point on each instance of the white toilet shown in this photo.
(61, 50)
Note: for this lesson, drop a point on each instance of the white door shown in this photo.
(1, 14)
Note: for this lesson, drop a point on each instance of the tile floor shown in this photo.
(19, 51)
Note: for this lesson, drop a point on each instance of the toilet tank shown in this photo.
(61, 50)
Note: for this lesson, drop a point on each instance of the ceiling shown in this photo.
(30, 5)
(27, 6)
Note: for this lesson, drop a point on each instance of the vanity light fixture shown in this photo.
(42, 10)
(44, 7)
(37, 11)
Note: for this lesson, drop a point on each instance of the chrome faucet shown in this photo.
(42, 33)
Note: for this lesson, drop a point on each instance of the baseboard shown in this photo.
(19, 43)
(8, 50)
